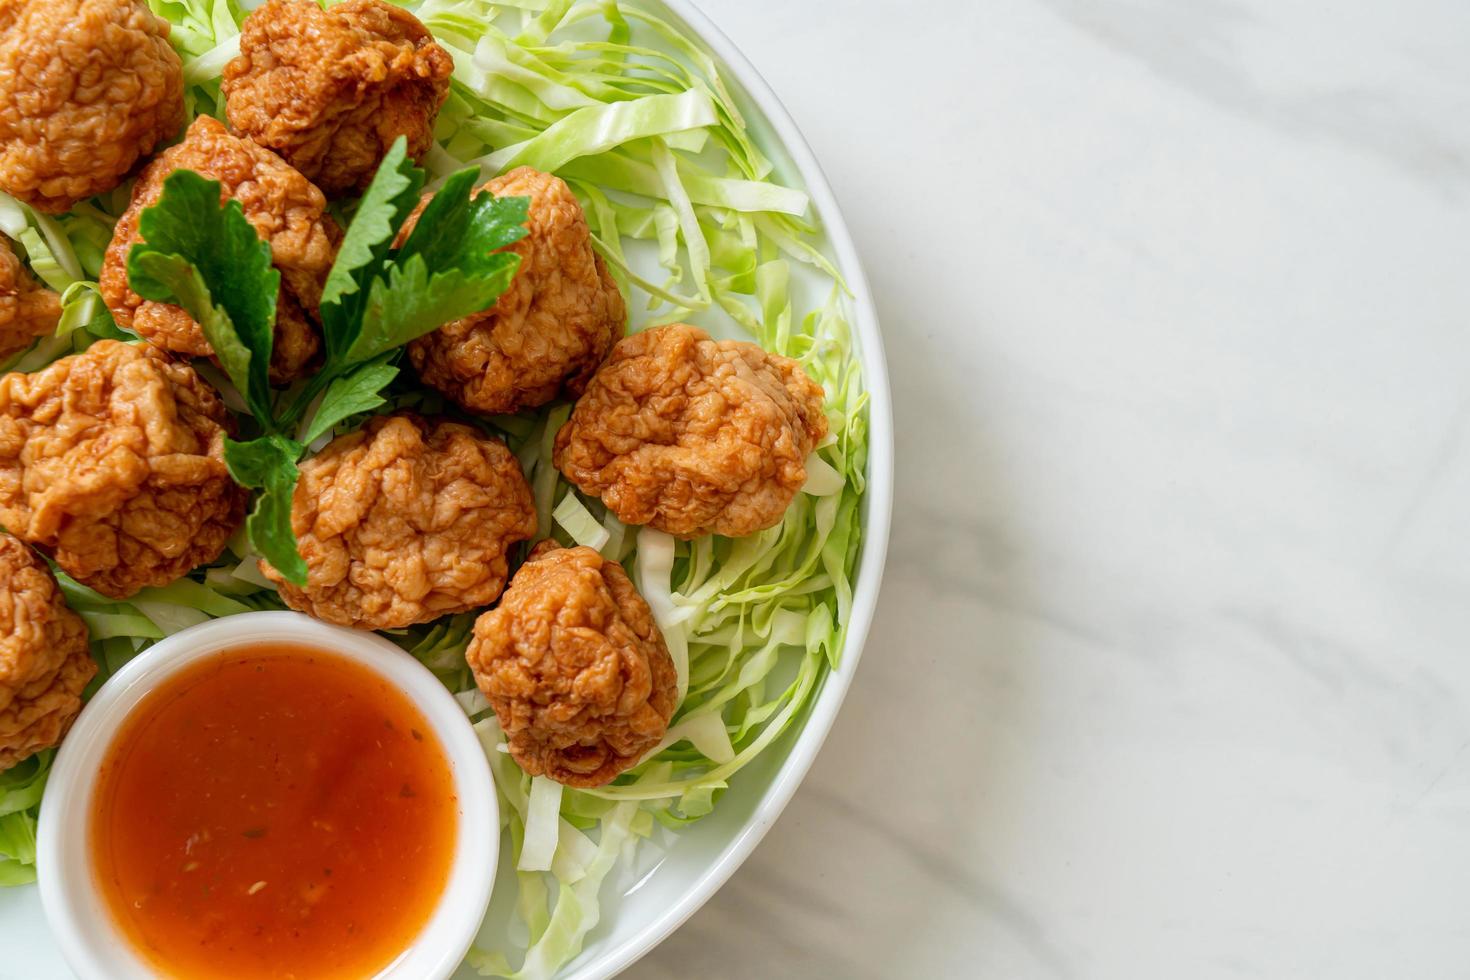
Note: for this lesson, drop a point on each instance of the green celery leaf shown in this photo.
(174, 279)
(252, 463)
(269, 463)
(411, 303)
(353, 393)
(104, 327)
(207, 258)
(462, 232)
(270, 530)
(389, 199)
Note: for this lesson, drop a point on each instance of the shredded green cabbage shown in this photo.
(632, 113)
(20, 795)
(574, 517)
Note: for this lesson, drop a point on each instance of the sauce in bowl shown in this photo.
(275, 811)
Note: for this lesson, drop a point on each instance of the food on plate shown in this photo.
(404, 521)
(575, 667)
(683, 205)
(204, 255)
(87, 89)
(112, 462)
(330, 90)
(274, 811)
(285, 209)
(693, 436)
(549, 330)
(27, 309)
(44, 659)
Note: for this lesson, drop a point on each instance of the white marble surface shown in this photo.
(1171, 676)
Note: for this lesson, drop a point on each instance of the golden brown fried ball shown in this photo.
(112, 462)
(286, 211)
(27, 309)
(87, 89)
(404, 521)
(693, 436)
(44, 659)
(575, 668)
(330, 90)
(549, 331)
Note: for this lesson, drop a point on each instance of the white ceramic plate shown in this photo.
(649, 906)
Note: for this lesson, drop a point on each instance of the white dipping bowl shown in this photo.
(93, 944)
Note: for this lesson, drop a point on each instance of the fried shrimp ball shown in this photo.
(549, 330)
(330, 90)
(44, 659)
(404, 521)
(112, 462)
(693, 436)
(87, 89)
(285, 210)
(27, 309)
(575, 668)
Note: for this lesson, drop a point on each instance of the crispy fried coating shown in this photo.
(87, 89)
(693, 436)
(575, 667)
(112, 462)
(549, 330)
(285, 209)
(27, 309)
(44, 659)
(331, 90)
(404, 521)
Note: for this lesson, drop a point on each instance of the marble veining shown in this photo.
(1239, 57)
(1171, 673)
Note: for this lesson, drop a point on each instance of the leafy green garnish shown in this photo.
(410, 303)
(483, 224)
(353, 394)
(389, 200)
(269, 464)
(206, 257)
(385, 297)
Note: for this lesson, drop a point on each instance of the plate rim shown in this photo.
(879, 492)
(618, 957)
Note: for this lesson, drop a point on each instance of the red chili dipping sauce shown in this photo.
(274, 812)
